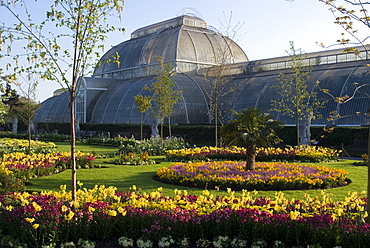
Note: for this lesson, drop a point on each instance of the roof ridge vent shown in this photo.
(185, 20)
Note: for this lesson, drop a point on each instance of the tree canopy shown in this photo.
(296, 100)
(252, 128)
(61, 47)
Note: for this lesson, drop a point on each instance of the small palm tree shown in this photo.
(254, 129)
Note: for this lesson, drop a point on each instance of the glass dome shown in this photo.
(192, 49)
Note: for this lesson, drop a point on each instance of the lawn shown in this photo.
(124, 176)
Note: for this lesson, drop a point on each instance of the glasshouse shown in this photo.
(196, 51)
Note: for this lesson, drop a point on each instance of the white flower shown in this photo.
(258, 244)
(238, 243)
(165, 241)
(68, 245)
(203, 243)
(278, 244)
(125, 242)
(86, 243)
(144, 243)
(52, 245)
(184, 242)
(220, 241)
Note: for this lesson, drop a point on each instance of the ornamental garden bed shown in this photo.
(303, 153)
(106, 217)
(135, 219)
(267, 176)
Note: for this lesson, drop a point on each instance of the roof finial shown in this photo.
(190, 12)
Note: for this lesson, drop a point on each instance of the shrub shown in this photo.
(153, 146)
(83, 160)
(133, 159)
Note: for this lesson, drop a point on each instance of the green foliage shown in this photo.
(302, 153)
(348, 14)
(133, 159)
(82, 24)
(83, 161)
(10, 183)
(39, 136)
(296, 100)
(105, 141)
(8, 145)
(143, 103)
(252, 127)
(153, 146)
(165, 95)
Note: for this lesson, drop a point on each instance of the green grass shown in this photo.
(124, 176)
(103, 150)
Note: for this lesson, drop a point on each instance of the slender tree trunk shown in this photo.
(75, 71)
(169, 127)
(250, 158)
(15, 125)
(216, 124)
(297, 128)
(141, 126)
(29, 136)
(368, 178)
(73, 147)
(162, 135)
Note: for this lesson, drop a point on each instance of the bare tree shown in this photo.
(28, 104)
(218, 78)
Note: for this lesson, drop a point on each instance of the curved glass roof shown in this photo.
(340, 79)
(108, 96)
(54, 109)
(117, 105)
(180, 42)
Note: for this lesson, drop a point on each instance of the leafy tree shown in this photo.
(348, 14)
(63, 46)
(295, 99)
(27, 113)
(253, 129)
(10, 98)
(165, 96)
(143, 104)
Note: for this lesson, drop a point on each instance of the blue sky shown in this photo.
(268, 26)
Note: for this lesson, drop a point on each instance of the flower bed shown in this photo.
(302, 153)
(267, 176)
(151, 219)
(25, 166)
(8, 145)
(133, 159)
